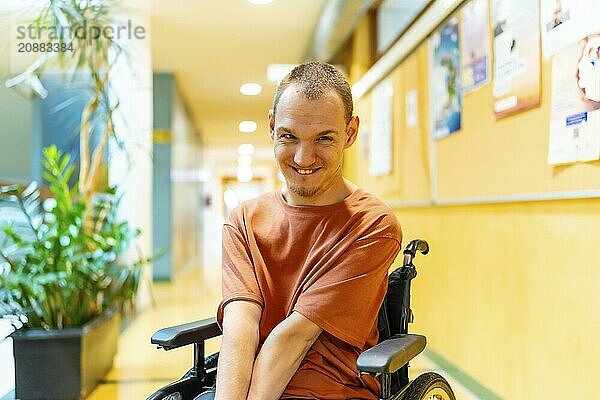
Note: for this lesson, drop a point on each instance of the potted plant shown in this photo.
(63, 284)
(60, 277)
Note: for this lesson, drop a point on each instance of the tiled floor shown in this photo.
(140, 368)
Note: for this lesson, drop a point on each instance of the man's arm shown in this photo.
(281, 355)
(238, 349)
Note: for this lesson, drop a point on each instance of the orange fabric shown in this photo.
(328, 263)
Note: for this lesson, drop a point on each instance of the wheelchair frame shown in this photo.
(388, 359)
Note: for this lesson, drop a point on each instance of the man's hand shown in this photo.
(238, 349)
(281, 355)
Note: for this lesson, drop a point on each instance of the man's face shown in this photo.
(309, 138)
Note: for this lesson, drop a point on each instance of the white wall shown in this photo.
(186, 146)
(131, 167)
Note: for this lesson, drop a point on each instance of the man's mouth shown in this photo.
(305, 171)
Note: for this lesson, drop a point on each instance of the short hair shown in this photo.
(314, 78)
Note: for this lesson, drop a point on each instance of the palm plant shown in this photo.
(87, 55)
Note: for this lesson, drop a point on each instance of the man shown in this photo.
(305, 268)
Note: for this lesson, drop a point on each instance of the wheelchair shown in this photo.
(388, 360)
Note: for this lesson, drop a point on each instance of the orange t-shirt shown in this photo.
(330, 264)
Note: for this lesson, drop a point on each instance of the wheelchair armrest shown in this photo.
(182, 335)
(391, 354)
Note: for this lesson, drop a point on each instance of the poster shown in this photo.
(444, 83)
(380, 150)
(475, 45)
(564, 22)
(516, 67)
(575, 105)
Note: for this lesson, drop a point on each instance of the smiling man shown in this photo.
(305, 267)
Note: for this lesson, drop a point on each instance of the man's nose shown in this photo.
(305, 155)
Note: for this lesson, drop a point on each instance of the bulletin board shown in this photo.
(487, 160)
(506, 157)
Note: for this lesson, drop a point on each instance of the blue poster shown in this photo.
(444, 80)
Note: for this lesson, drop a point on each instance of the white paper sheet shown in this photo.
(575, 107)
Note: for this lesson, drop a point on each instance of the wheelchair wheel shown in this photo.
(429, 386)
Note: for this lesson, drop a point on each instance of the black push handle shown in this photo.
(417, 245)
(411, 250)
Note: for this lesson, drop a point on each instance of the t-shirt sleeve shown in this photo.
(345, 300)
(239, 276)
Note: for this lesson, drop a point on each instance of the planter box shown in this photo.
(64, 364)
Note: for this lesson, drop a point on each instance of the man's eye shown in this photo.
(325, 139)
(287, 136)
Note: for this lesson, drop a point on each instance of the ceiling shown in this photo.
(215, 46)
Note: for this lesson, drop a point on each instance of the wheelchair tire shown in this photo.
(429, 386)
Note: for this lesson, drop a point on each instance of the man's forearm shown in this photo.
(236, 359)
(279, 358)
(273, 369)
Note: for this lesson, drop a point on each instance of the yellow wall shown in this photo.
(509, 292)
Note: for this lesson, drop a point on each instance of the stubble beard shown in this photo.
(303, 191)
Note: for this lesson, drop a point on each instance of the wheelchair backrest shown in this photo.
(389, 319)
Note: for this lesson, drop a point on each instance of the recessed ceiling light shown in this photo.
(250, 89)
(244, 174)
(260, 1)
(245, 161)
(247, 126)
(246, 149)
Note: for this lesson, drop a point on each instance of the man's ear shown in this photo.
(272, 123)
(351, 131)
